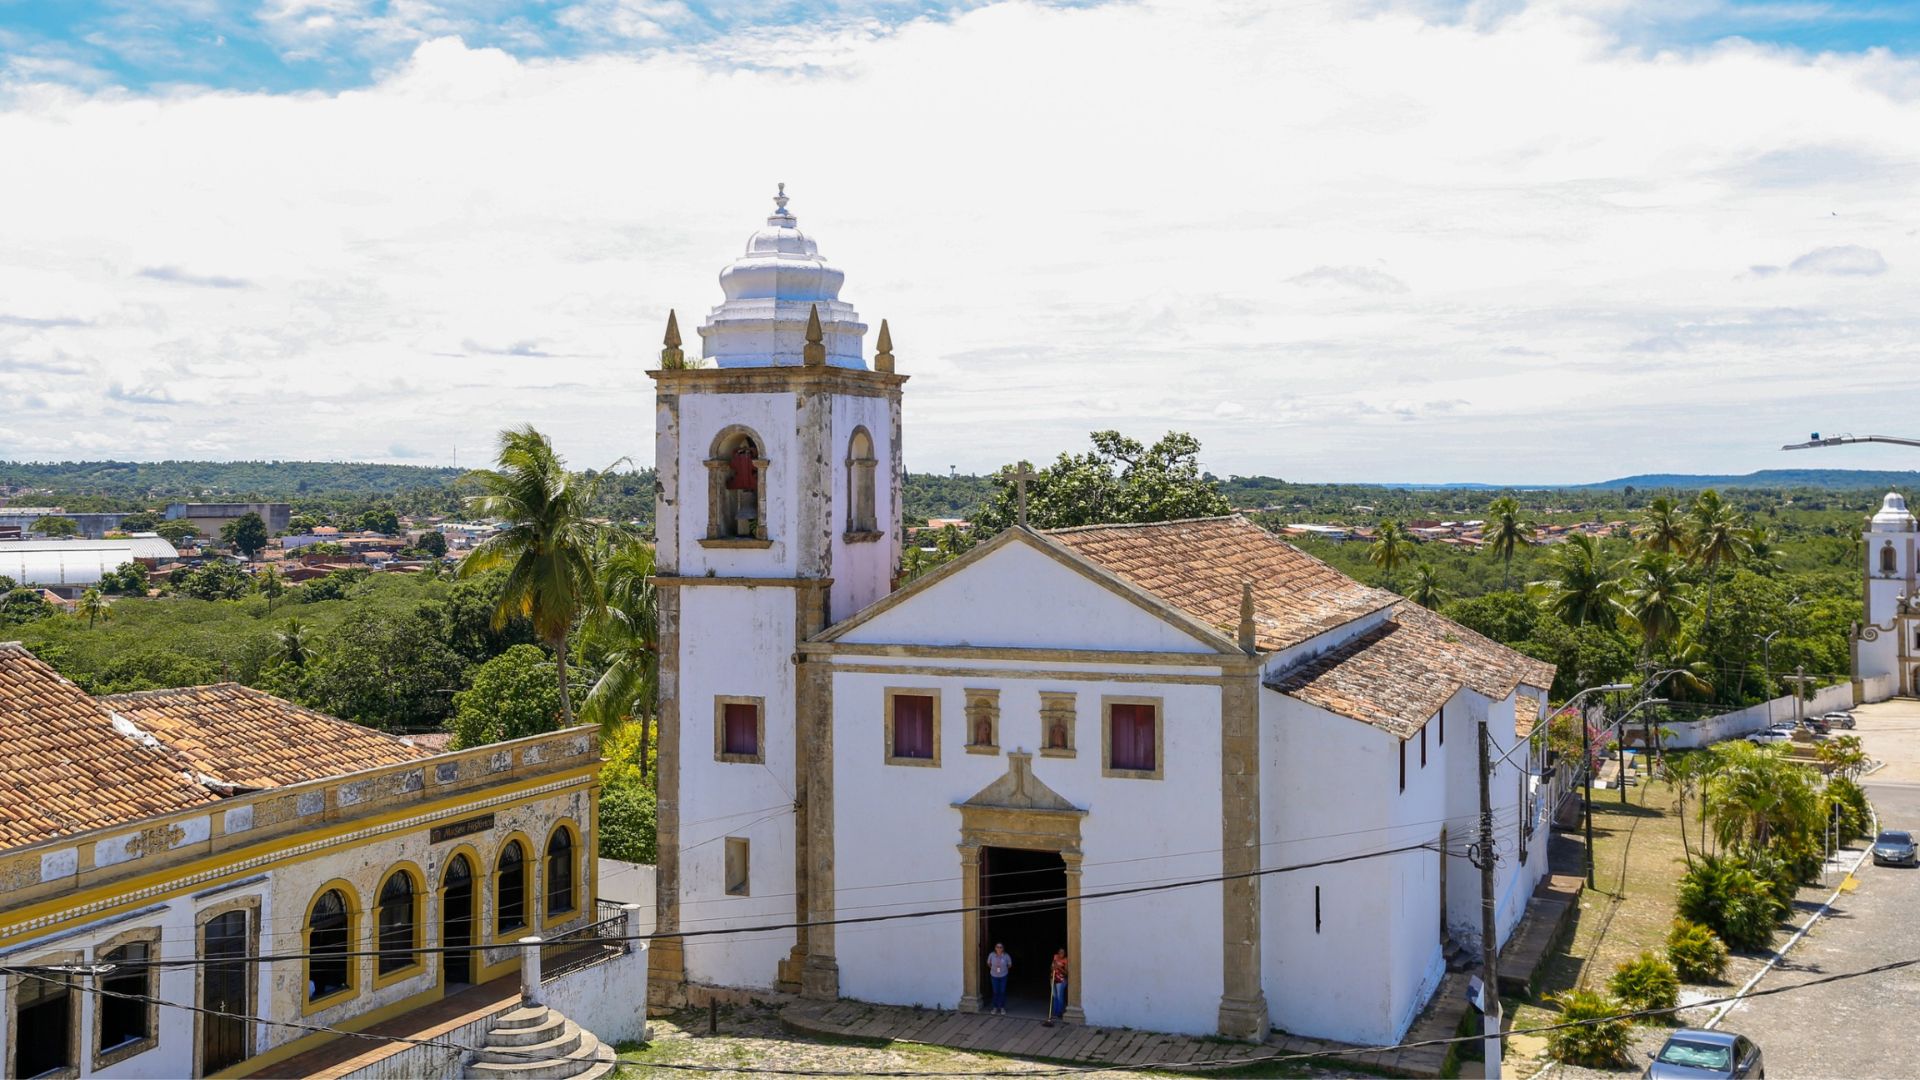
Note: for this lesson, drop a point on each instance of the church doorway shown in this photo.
(1029, 889)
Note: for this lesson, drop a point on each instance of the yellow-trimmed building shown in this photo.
(213, 881)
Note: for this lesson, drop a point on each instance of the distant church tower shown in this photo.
(1886, 647)
(777, 512)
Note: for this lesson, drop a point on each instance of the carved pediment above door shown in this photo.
(1019, 789)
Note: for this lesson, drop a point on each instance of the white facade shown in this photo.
(1886, 647)
(823, 815)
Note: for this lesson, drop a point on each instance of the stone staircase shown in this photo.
(534, 1042)
(1458, 956)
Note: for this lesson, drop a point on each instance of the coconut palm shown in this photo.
(1653, 598)
(623, 635)
(1716, 537)
(546, 542)
(1391, 548)
(270, 584)
(94, 606)
(1684, 774)
(1756, 793)
(293, 644)
(1426, 590)
(1661, 529)
(1581, 588)
(1505, 532)
(1763, 551)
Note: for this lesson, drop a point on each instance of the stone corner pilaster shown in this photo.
(820, 978)
(1245, 1018)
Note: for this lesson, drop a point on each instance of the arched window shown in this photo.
(399, 923)
(860, 466)
(1889, 561)
(511, 894)
(560, 872)
(737, 487)
(329, 932)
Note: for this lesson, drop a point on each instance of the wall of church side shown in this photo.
(1881, 648)
(1349, 950)
(666, 483)
(736, 641)
(863, 569)
(1463, 814)
(1149, 961)
(702, 417)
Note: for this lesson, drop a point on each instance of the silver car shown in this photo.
(1895, 847)
(1691, 1052)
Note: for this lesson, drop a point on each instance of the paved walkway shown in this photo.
(1024, 1037)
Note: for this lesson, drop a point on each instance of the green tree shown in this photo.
(22, 605)
(304, 523)
(1716, 537)
(138, 522)
(1506, 617)
(1653, 599)
(247, 532)
(216, 580)
(1390, 549)
(1426, 590)
(56, 526)
(1580, 588)
(293, 644)
(513, 695)
(1504, 533)
(387, 671)
(1756, 794)
(94, 606)
(546, 543)
(270, 583)
(433, 543)
(1661, 529)
(381, 519)
(129, 580)
(178, 533)
(621, 637)
(1120, 480)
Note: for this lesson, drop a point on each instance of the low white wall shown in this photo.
(1693, 734)
(608, 998)
(630, 883)
(1878, 687)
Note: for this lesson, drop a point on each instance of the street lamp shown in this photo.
(1586, 760)
(1619, 726)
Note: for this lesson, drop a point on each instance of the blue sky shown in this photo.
(291, 45)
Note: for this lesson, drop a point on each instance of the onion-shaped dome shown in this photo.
(771, 291)
(1892, 515)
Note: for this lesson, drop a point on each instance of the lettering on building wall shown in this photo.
(454, 829)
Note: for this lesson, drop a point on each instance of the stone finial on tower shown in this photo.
(672, 357)
(815, 354)
(883, 359)
(780, 202)
(1249, 644)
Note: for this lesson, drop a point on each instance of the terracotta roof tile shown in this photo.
(1200, 565)
(66, 769)
(240, 736)
(1397, 675)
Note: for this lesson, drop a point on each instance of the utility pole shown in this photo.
(1489, 910)
(1799, 679)
(1586, 768)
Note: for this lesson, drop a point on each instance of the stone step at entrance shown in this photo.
(534, 1042)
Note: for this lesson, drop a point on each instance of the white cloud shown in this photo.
(1846, 260)
(1073, 217)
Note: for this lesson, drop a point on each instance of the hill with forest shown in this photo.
(1831, 479)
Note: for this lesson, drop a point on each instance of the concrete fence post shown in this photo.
(629, 925)
(530, 971)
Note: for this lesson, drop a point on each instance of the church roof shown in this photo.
(66, 769)
(238, 736)
(1398, 674)
(1201, 565)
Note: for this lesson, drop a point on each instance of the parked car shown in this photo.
(1839, 719)
(1895, 847)
(1775, 734)
(1816, 725)
(1691, 1052)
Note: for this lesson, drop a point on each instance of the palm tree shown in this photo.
(1763, 551)
(546, 542)
(1391, 547)
(94, 606)
(1660, 529)
(270, 584)
(1684, 773)
(1505, 532)
(293, 644)
(1716, 537)
(1426, 589)
(1653, 598)
(1581, 588)
(1756, 793)
(624, 635)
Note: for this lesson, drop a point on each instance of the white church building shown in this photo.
(1886, 647)
(1235, 785)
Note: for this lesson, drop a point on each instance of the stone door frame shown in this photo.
(1031, 829)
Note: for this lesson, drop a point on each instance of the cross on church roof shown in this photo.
(1020, 476)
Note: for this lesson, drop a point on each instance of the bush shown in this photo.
(1851, 803)
(1696, 954)
(1729, 900)
(1601, 1043)
(1779, 872)
(1645, 982)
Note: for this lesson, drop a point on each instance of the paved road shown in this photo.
(1867, 1027)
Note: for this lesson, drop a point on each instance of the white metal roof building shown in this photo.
(59, 564)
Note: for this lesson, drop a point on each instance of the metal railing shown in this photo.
(584, 946)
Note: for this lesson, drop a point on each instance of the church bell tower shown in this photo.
(776, 512)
